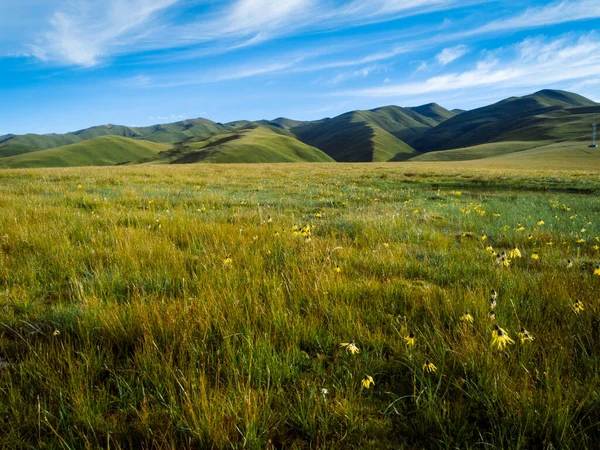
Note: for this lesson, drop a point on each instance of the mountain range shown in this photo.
(390, 133)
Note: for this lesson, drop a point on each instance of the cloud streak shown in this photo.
(83, 32)
(532, 62)
(451, 54)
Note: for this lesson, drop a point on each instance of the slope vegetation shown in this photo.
(101, 151)
(168, 133)
(545, 115)
(254, 144)
(374, 135)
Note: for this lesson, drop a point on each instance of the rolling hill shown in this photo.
(374, 135)
(100, 151)
(390, 133)
(253, 144)
(169, 133)
(544, 116)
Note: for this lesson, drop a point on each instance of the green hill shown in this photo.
(101, 151)
(570, 155)
(545, 115)
(477, 151)
(375, 135)
(254, 144)
(168, 133)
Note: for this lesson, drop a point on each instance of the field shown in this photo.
(301, 306)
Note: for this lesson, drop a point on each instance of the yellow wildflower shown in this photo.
(490, 249)
(56, 333)
(521, 228)
(597, 271)
(535, 256)
(410, 339)
(227, 261)
(578, 306)
(368, 381)
(467, 317)
(337, 270)
(386, 245)
(429, 367)
(524, 335)
(515, 253)
(351, 347)
(483, 237)
(500, 338)
(540, 223)
(580, 241)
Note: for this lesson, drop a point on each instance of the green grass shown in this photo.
(477, 151)
(196, 309)
(371, 136)
(544, 116)
(167, 133)
(101, 151)
(255, 144)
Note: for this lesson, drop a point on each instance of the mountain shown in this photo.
(544, 116)
(389, 133)
(252, 144)
(169, 133)
(374, 135)
(100, 151)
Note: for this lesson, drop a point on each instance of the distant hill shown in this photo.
(100, 151)
(169, 133)
(374, 135)
(253, 144)
(545, 115)
(389, 133)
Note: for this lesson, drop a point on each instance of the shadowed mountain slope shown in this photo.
(253, 144)
(542, 116)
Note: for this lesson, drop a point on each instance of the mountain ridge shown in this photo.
(385, 133)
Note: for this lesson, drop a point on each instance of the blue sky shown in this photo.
(71, 64)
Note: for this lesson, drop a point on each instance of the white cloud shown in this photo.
(451, 54)
(555, 13)
(82, 32)
(360, 73)
(533, 62)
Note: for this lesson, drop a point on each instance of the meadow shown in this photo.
(299, 306)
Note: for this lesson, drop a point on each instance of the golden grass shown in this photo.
(204, 307)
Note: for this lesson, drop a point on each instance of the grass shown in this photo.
(204, 306)
(101, 151)
(544, 116)
(477, 151)
(255, 144)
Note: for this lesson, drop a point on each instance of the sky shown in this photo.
(66, 65)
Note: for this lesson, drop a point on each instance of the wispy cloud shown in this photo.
(223, 74)
(451, 54)
(555, 13)
(82, 32)
(532, 62)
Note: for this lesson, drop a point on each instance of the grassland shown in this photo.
(100, 151)
(205, 306)
(254, 144)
